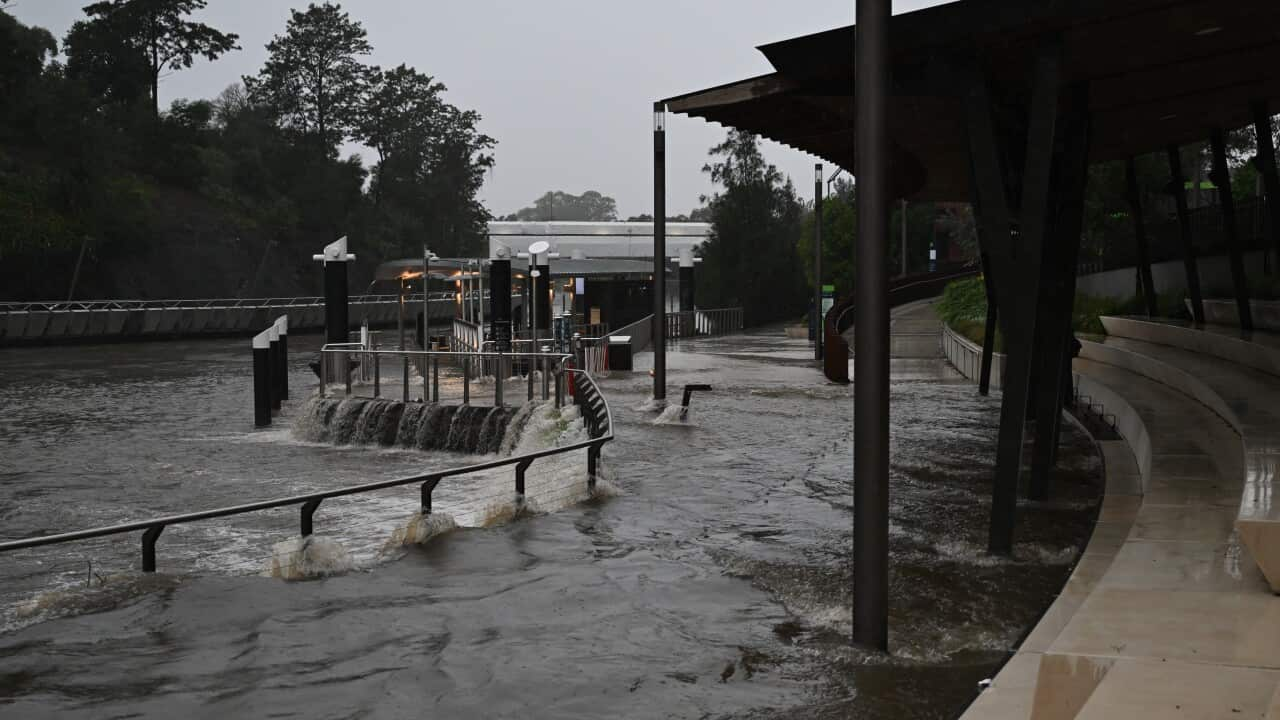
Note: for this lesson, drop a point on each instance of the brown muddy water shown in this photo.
(713, 583)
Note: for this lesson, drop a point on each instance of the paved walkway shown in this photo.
(1168, 614)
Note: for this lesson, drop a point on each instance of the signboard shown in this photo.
(828, 302)
(500, 332)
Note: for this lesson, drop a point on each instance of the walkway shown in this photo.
(1168, 614)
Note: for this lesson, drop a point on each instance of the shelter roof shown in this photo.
(1157, 72)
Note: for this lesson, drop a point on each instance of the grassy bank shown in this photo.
(963, 307)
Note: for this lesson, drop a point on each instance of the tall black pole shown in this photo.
(500, 301)
(262, 379)
(871, 335)
(1266, 162)
(1178, 188)
(817, 262)
(1140, 237)
(282, 325)
(989, 336)
(659, 329)
(1222, 179)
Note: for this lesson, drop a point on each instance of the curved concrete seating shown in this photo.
(1181, 621)
(1246, 397)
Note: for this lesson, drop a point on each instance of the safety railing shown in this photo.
(705, 323)
(340, 365)
(202, 304)
(597, 418)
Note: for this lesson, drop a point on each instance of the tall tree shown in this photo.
(750, 256)
(132, 37)
(313, 81)
(432, 160)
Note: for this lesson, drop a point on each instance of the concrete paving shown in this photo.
(1169, 614)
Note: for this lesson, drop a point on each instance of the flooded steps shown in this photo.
(1181, 622)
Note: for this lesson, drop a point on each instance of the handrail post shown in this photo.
(377, 375)
(593, 460)
(521, 467)
(308, 511)
(498, 379)
(428, 487)
(466, 381)
(545, 380)
(529, 365)
(149, 547)
(435, 380)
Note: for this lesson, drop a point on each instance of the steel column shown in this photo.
(262, 382)
(1072, 174)
(659, 330)
(989, 335)
(1222, 179)
(1178, 188)
(817, 262)
(871, 338)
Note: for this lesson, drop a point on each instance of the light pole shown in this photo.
(427, 257)
(659, 328)
(817, 262)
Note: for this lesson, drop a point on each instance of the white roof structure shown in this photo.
(596, 239)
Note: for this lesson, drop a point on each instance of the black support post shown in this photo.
(542, 286)
(871, 339)
(1071, 172)
(1266, 162)
(1015, 255)
(500, 302)
(659, 329)
(1134, 197)
(1178, 188)
(335, 301)
(817, 262)
(1222, 179)
(989, 334)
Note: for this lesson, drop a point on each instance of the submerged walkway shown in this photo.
(1168, 614)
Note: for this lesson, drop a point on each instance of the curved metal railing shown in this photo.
(597, 416)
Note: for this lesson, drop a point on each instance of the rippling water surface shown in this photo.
(714, 584)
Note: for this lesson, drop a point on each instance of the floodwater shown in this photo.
(713, 583)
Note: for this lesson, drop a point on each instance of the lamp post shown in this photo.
(817, 262)
(427, 257)
(659, 329)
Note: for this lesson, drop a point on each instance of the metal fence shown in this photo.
(695, 323)
(597, 417)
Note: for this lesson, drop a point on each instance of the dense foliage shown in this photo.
(225, 196)
(750, 257)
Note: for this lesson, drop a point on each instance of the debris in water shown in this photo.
(419, 529)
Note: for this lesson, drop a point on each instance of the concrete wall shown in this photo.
(1215, 277)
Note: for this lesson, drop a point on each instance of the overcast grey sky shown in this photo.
(565, 86)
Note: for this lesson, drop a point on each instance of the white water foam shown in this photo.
(310, 557)
(673, 415)
(419, 529)
(651, 405)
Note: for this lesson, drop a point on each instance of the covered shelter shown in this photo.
(1004, 104)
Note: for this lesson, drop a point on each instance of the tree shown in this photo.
(313, 82)
(750, 256)
(23, 51)
(432, 160)
(839, 226)
(133, 37)
(590, 206)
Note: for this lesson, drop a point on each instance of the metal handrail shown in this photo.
(311, 501)
(201, 304)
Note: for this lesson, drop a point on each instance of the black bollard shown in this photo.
(273, 368)
(261, 380)
(282, 327)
